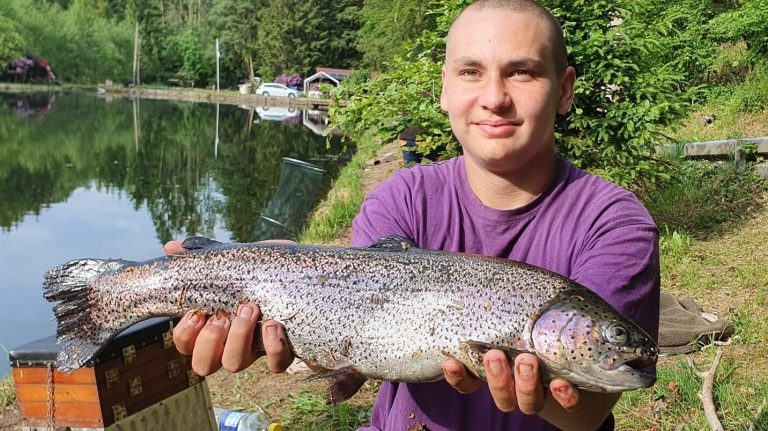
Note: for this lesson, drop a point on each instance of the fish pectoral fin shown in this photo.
(345, 382)
(474, 351)
(393, 243)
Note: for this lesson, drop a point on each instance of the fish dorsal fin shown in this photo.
(199, 243)
(393, 243)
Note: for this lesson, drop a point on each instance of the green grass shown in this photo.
(309, 412)
(739, 110)
(673, 403)
(713, 246)
(705, 199)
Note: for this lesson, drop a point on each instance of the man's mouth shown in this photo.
(498, 128)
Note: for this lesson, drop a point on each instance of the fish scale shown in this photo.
(387, 312)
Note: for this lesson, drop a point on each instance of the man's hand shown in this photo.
(512, 391)
(214, 342)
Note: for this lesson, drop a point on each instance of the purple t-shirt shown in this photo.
(581, 226)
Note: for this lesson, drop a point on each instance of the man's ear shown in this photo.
(443, 102)
(566, 90)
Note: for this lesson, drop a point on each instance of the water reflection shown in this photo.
(83, 176)
(286, 212)
(290, 114)
(158, 153)
(31, 105)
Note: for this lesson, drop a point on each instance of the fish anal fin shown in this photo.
(343, 387)
(344, 383)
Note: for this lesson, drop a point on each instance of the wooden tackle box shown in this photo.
(139, 382)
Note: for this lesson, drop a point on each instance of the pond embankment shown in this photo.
(228, 97)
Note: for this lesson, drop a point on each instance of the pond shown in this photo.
(83, 175)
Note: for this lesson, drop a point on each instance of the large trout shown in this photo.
(390, 311)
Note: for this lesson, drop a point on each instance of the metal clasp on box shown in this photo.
(192, 378)
(112, 377)
(119, 411)
(134, 386)
(168, 339)
(174, 368)
(129, 354)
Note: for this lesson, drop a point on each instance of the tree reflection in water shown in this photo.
(164, 157)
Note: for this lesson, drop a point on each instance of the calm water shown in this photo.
(86, 176)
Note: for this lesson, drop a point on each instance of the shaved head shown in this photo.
(556, 41)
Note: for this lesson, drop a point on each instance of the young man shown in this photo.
(504, 81)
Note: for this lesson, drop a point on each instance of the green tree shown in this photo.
(342, 27)
(192, 58)
(10, 40)
(388, 26)
(276, 43)
(235, 23)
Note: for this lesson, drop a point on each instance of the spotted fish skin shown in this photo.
(387, 312)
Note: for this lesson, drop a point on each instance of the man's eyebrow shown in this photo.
(515, 63)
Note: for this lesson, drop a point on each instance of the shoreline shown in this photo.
(199, 95)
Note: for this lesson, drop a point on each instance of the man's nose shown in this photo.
(495, 95)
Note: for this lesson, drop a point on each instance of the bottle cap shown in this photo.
(275, 427)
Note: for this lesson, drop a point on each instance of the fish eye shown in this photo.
(616, 334)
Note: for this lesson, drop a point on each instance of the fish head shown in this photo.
(593, 346)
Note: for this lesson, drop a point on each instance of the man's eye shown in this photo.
(470, 73)
(522, 73)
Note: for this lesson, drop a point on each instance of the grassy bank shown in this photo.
(714, 246)
(332, 219)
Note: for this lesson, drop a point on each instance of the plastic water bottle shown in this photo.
(229, 420)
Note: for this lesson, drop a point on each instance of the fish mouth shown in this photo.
(635, 372)
(642, 369)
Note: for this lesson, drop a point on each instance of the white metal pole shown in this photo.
(217, 64)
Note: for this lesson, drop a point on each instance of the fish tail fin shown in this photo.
(81, 337)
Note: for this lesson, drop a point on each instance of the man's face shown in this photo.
(501, 90)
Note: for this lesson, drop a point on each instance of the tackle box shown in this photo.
(138, 382)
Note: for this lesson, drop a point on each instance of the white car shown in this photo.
(274, 89)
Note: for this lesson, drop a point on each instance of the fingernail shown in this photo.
(272, 330)
(219, 320)
(495, 367)
(526, 371)
(192, 318)
(245, 311)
